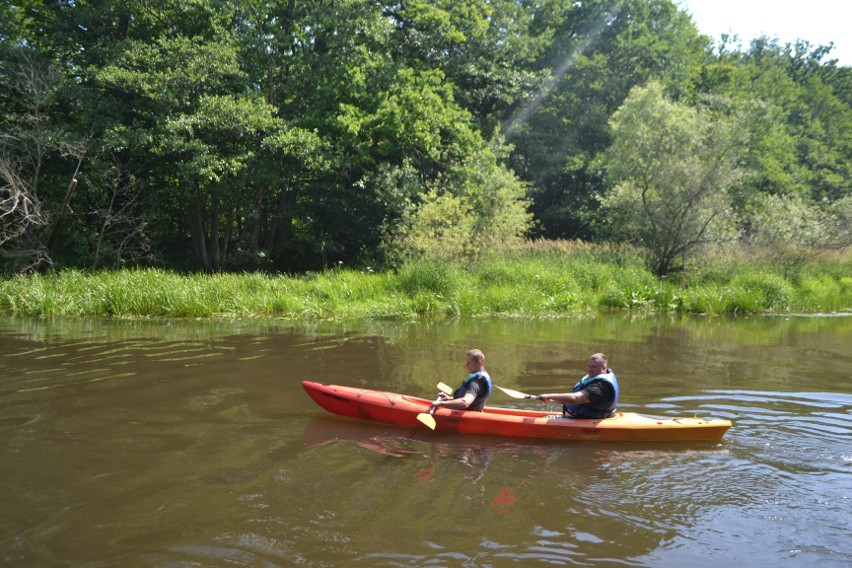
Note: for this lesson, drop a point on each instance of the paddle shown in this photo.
(518, 394)
(513, 393)
(429, 420)
(426, 417)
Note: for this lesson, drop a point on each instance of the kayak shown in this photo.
(402, 410)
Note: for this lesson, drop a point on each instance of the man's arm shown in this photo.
(567, 398)
(463, 402)
(457, 403)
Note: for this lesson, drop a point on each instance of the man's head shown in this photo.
(475, 360)
(596, 364)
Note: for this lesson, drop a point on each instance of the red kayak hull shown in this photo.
(402, 410)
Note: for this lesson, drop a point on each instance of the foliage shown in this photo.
(481, 206)
(498, 201)
(594, 54)
(442, 228)
(672, 166)
(795, 231)
(218, 136)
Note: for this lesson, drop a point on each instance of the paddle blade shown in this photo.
(445, 388)
(427, 419)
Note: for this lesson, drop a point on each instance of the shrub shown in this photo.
(764, 290)
(433, 277)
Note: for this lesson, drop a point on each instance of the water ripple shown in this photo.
(82, 363)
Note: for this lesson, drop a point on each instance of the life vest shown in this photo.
(462, 390)
(587, 411)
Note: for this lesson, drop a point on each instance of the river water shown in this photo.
(192, 443)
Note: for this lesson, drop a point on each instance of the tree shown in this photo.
(595, 53)
(457, 220)
(34, 146)
(205, 127)
(21, 220)
(796, 109)
(442, 227)
(672, 167)
(795, 231)
(275, 134)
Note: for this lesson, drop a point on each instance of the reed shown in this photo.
(536, 279)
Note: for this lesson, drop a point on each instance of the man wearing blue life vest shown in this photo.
(595, 396)
(474, 390)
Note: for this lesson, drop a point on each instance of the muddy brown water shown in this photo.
(192, 443)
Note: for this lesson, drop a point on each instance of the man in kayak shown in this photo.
(474, 390)
(595, 396)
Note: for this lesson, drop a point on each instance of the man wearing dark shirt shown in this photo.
(474, 390)
(595, 396)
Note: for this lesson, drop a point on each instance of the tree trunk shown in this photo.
(256, 222)
(229, 230)
(284, 200)
(196, 228)
(215, 251)
(103, 229)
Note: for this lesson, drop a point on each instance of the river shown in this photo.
(192, 443)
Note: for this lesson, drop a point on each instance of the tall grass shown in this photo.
(537, 279)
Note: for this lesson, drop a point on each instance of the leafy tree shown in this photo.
(672, 166)
(275, 134)
(203, 134)
(385, 109)
(794, 109)
(488, 50)
(596, 52)
(442, 227)
(457, 221)
(795, 231)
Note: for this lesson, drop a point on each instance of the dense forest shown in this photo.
(292, 135)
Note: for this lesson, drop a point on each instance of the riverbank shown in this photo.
(537, 280)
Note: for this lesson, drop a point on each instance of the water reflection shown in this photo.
(381, 440)
(574, 496)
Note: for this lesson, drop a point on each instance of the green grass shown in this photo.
(543, 279)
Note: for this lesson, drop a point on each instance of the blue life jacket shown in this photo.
(462, 390)
(587, 411)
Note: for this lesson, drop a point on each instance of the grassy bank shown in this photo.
(537, 280)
